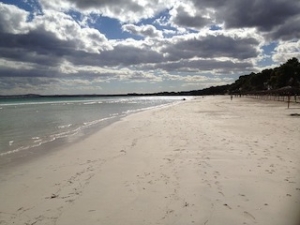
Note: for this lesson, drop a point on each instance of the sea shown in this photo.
(31, 123)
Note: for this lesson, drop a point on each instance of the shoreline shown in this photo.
(15, 157)
(35, 152)
(204, 161)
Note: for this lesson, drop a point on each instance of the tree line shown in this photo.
(286, 75)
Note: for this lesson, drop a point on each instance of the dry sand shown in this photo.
(205, 161)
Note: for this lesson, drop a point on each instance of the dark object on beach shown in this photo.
(295, 114)
(54, 196)
(183, 99)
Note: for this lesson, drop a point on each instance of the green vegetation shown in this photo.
(287, 74)
(284, 77)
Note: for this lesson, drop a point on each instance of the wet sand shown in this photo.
(205, 161)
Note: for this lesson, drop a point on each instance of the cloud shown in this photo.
(12, 19)
(261, 14)
(265, 16)
(38, 47)
(269, 17)
(276, 19)
(198, 79)
(186, 15)
(56, 46)
(197, 66)
(49, 39)
(286, 50)
(58, 25)
(123, 10)
(289, 30)
(46, 85)
(122, 54)
(70, 40)
(13, 85)
(64, 28)
(144, 30)
(211, 46)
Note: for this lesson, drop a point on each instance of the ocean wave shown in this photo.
(64, 126)
(151, 107)
(90, 103)
(35, 138)
(10, 143)
(64, 134)
(91, 123)
(37, 141)
(22, 148)
(59, 102)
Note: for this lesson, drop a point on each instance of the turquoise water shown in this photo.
(31, 122)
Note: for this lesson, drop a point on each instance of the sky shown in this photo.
(139, 46)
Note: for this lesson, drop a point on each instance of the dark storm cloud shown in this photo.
(8, 83)
(204, 47)
(130, 55)
(264, 15)
(37, 46)
(121, 55)
(213, 46)
(185, 19)
(20, 80)
(267, 16)
(36, 71)
(44, 48)
(225, 67)
(47, 52)
(288, 31)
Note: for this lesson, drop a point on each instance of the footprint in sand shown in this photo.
(220, 192)
(227, 206)
(249, 215)
(216, 174)
(207, 182)
(219, 186)
(244, 196)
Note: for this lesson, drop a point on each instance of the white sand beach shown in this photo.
(205, 161)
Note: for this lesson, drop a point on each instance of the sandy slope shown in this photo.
(205, 161)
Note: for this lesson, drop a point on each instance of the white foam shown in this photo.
(90, 103)
(35, 138)
(64, 126)
(87, 124)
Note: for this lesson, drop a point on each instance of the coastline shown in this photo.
(56, 138)
(32, 153)
(204, 161)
